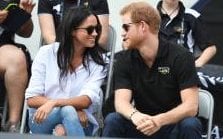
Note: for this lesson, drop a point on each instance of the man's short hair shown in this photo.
(142, 11)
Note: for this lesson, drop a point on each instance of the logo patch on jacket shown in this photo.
(164, 70)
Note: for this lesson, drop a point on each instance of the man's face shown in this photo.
(130, 33)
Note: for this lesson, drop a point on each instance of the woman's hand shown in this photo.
(43, 111)
(27, 5)
(83, 118)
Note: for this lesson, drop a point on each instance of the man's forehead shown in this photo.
(126, 17)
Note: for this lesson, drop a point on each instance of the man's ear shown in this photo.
(144, 25)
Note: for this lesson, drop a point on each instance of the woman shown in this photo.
(50, 13)
(66, 77)
(15, 58)
(184, 26)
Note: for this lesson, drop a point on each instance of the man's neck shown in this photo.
(149, 51)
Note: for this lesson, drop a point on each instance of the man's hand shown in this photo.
(43, 111)
(138, 118)
(27, 5)
(150, 126)
(3, 15)
(146, 124)
(83, 118)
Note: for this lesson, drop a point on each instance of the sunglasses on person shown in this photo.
(91, 29)
(127, 26)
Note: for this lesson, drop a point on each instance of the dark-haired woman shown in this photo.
(66, 77)
(50, 13)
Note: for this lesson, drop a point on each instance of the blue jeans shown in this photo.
(116, 125)
(67, 116)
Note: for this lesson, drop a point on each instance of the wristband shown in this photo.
(130, 117)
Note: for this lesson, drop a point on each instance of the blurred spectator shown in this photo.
(184, 27)
(15, 63)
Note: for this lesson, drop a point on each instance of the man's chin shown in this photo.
(128, 47)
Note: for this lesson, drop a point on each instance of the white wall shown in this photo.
(114, 5)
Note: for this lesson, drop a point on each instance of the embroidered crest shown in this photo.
(164, 70)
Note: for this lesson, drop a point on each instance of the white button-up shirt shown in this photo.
(45, 80)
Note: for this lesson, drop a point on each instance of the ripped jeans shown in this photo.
(67, 116)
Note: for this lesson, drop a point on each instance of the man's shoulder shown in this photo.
(175, 49)
(125, 54)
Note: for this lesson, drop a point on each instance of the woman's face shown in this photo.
(85, 35)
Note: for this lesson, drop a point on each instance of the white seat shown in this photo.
(206, 110)
(24, 114)
(111, 46)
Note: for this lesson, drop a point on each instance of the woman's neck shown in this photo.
(170, 8)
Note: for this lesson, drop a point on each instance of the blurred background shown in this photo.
(211, 12)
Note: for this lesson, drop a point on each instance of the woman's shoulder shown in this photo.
(49, 48)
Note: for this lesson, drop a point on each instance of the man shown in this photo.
(51, 12)
(159, 76)
(184, 27)
(14, 64)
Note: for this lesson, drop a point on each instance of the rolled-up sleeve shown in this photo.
(92, 86)
(36, 84)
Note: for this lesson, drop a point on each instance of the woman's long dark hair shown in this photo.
(73, 18)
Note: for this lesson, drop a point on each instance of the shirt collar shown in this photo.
(162, 49)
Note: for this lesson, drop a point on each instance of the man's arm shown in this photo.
(188, 108)
(47, 28)
(124, 107)
(104, 20)
(206, 55)
(123, 102)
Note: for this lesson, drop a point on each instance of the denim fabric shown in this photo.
(67, 116)
(117, 126)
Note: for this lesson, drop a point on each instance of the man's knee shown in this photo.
(190, 124)
(113, 119)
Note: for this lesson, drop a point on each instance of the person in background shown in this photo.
(14, 64)
(51, 13)
(66, 78)
(184, 27)
(159, 76)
